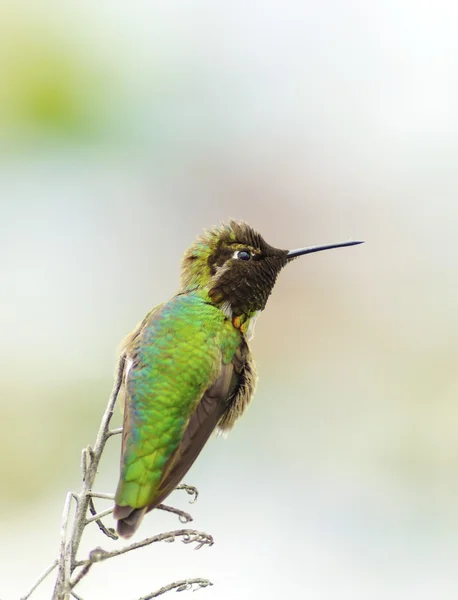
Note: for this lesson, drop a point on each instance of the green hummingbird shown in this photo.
(187, 368)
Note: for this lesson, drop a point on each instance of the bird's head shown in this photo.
(237, 268)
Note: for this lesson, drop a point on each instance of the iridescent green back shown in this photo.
(175, 357)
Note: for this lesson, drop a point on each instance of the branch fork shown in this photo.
(75, 519)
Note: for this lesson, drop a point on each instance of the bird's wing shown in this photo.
(169, 413)
(199, 428)
(215, 403)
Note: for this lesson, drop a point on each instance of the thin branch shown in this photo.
(42, 577)
(189, 536)
(102, 496)
(84, 571)
(108, 531)
(100, 515)
(74, 522)
(179, 586)
(182, 515)
(65, 549)
(114, 432)
(99, 445)
(84, 462)
(89, 463)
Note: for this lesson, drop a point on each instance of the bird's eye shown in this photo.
(243, 255)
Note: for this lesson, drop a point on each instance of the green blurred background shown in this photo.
(125, 129)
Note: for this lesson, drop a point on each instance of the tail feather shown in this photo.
(129, 519)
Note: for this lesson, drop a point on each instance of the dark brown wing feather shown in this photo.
(201, 425)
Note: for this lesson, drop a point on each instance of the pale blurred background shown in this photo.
(128, 127)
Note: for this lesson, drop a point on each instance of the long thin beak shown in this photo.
(300, 251)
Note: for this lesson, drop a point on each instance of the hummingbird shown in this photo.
(187, 368)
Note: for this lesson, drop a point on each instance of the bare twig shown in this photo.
(102, 496)
(84, 571)
(100, 515)
(64, 563)
(108, 531)
(89, 463)
(42, 577)
(114, 432)
(189, 536)
(91, 472)
(182, 515)
(70, 570)
(179, 586)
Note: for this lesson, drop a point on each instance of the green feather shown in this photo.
(176, 355)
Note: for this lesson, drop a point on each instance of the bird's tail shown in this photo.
(129, 519)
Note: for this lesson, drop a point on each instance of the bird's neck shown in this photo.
(244, 322)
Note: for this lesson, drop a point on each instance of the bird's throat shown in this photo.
(245, 323)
